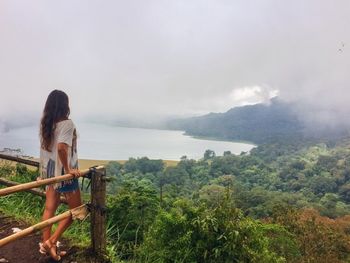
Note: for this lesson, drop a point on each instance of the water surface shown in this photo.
(103, 142)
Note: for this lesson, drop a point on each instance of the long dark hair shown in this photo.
(56, 109)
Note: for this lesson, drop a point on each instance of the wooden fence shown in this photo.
(96, 207)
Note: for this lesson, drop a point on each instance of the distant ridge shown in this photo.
(259, 123)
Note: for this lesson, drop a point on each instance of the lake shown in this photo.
(104, 142)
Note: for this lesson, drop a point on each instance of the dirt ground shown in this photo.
(26, 250)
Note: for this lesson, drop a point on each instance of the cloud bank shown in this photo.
(174, 58)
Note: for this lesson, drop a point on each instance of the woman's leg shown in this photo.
(51, 204)
(73, 200)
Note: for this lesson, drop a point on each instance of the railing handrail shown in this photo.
(36, 184)
(34, 191)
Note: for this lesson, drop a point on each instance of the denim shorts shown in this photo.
(69, 187)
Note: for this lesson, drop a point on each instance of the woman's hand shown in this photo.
(75, 172)
(62, 149)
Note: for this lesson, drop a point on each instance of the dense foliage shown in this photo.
(196, 233)
(315, 176)
(272, 188)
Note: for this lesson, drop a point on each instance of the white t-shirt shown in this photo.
(50, 163)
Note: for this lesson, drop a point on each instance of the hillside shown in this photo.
(259, 123)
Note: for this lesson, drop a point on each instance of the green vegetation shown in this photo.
(280, 203)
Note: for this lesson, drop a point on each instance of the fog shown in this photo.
(154, 59)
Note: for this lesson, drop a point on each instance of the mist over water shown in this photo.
(103, 142)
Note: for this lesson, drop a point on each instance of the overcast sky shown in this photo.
(181, 57)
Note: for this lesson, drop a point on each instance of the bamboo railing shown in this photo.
(96, 206)
(48, 181)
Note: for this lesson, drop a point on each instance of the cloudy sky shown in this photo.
(181, 57)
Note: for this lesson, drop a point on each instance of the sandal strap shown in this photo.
(48, 244)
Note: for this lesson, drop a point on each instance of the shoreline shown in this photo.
(87, 163)
(209, 138)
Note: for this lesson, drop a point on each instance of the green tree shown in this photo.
(131, 212)
(209, 154)
(195, 233)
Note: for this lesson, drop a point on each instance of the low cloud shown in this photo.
(252, 95)
(157, 58)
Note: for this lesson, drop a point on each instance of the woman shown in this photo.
(58, 156)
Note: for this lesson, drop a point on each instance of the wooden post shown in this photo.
(98, 212)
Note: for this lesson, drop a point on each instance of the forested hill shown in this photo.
(260, 123)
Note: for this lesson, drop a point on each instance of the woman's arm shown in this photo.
(62, 150)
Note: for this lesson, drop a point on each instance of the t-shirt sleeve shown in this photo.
(65, 134)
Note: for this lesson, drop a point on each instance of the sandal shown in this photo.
(43, 251)
(52, 250)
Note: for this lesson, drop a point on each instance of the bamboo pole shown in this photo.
(32, 191)
(19, 160)
(36, 184)
(12, 183)
(78, 212)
